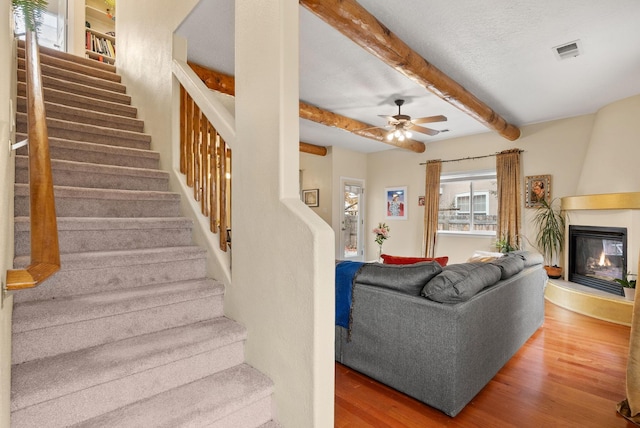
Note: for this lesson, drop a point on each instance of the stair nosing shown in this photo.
(221, 406)
(22, 223)
(28, 316)
(96, 147)
(69, 75)
(68, 165)
(78, 370)
(88, 115)
(88, 101)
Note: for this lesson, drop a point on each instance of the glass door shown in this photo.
(352, 221)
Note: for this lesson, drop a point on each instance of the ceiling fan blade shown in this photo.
(424, 130)
(429, 119)
(392, 120)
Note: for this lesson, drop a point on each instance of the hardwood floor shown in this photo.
(570, 373)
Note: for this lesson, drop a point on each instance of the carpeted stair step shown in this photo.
(79, 151)
(91, 175)
(45, 328)
(71, 61)
(238, 397)
(70, 388)
(99, 271)
(80, 89)
(85, 68)
(270, 424)
(83, 102)
(81, 202)
(74, 114)
(83, 234)
(89, 133)
(77, 77)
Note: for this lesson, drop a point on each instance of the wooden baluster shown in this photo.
(183, 129)
(229, 192)
(223, 195)
(215, 174)
(206, 192)
(197, 117)
(189, 141)
(204, 171)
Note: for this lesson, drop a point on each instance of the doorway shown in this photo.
(352, 220)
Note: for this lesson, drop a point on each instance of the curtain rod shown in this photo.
(472, 157)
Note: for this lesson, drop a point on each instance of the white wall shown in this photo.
(611, 164)
(282, 285)
(557, 148)
(283, 289)
(317, 174)
(7, 85)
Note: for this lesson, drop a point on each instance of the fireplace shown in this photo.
(597, 256)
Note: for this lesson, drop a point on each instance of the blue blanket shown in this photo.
(345, 272)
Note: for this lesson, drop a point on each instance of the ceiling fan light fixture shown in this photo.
(408, 134)
(390, 136)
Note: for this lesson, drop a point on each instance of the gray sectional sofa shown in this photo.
(442, 354)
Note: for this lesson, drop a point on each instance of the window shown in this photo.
(469, 203)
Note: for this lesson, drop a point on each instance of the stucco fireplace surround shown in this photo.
(611, 210)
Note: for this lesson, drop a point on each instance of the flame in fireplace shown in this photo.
(604, 261)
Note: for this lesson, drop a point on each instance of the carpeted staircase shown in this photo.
(130, 332)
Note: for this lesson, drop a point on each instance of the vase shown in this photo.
(629, 293)
(380, 253)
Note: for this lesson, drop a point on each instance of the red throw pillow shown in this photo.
(401, 260)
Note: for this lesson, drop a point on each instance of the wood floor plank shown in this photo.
(570, 373)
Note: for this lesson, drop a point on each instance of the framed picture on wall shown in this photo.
(538, 188)
(311, 197)
(396, 203)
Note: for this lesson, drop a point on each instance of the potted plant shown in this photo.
(550, 238)
(504, 245)
(628, 285)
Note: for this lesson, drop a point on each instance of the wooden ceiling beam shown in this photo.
(225, 84)
(313, 149)
(355, 22)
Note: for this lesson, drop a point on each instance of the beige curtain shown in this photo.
(431, 205)
(509, 215)
(630, 408)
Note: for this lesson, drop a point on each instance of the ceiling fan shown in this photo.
(402, 125)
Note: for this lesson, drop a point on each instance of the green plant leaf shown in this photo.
(31, 10)
(550, 224)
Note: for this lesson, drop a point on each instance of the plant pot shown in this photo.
(553, 272)
(629, 293)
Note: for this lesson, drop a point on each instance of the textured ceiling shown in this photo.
(499, 50)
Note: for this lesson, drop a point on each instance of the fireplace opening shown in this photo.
(597, 256)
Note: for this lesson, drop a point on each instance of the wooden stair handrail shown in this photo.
(45, 251)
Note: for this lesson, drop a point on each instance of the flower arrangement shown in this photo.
(382, 233)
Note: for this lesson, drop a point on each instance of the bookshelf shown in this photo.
(100, 41)
(100, 46)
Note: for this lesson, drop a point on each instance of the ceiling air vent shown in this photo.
(568, 50)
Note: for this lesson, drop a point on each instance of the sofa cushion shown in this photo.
(530, 257)
(402, 260)
(408, 279)
(484, 256)
(460, 282)
(509, 265)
